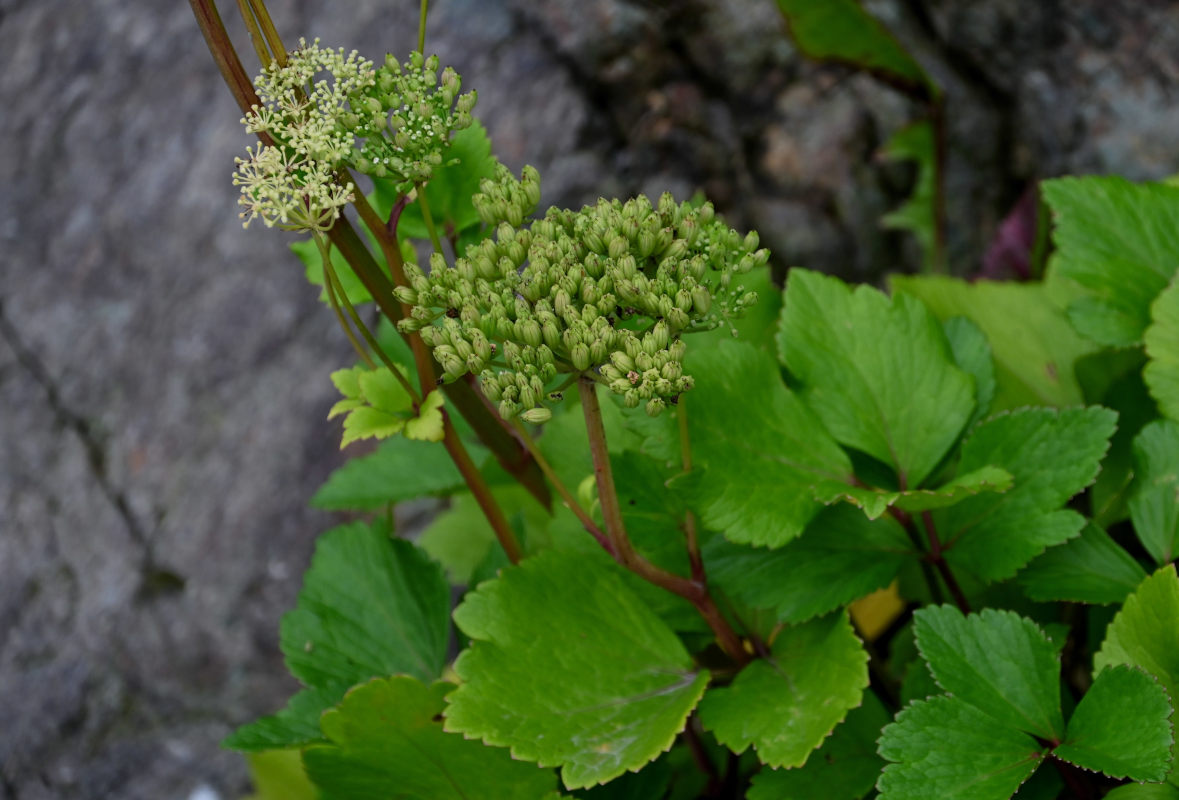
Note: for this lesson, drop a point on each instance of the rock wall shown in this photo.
(163, 373)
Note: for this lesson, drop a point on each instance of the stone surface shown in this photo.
(163, 373)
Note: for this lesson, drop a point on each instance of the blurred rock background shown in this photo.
(163, 374)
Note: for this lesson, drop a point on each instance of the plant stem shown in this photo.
(330, 288)
(690, 533)
(422, 27)
(270, 32)
(480, 491)
(256, 39)
(693, 591)
(938, 558)
(700, 756)
(228, 63)
(563, 491)
(429, 219)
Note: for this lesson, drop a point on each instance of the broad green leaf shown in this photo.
(841, 556)
(972, 352)
(1145, 633)
(279, 775)
(308, 253)
(400, 469)
(787, 704)
(875, 502)
(616, 697)
(1162, 346)
(996, 661)
(1121, 727)
(461, 538)
(1053, 455)
(427, 425)
(387, 741)
(378, 406)
(1154, 498)
(844, 768)
(918, 215)
(370, 606)
(761, 447)
(1091, 568)
(944, 748)
(1143, 791)
(1032, 342)
(878, 372)
(294, 726)
(840, 30)
(1119, 242)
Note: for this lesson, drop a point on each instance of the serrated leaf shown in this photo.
(996, 661)
(1121, 727)
(386, 740)
(1091, 568)
(1145, 633)
(943, 747)
(875, 502)
(918, 214)
(1154, 498)
(1033, 344)
(400, 469)
(972, 353)
(787, 704)
(279, 775)
(841, 30)
(841, 556)
(294, 726)
(1119, 242)
(614, 700)
(427, 425)
(761, 446)
(1053, 455)
(1162, 346)
(370, 423)
(878, 372)
(354, 289)
(370, 606)
(844, 768)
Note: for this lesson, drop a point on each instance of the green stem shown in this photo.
(429, 219)
(624, 553)
(256, 38)
(422, 27)
(480, 491)
(690, 534)
(329, 287)
(563, 491)
(937, 556)
(270, 32)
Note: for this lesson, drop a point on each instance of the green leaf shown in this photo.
(1143, 791)
(308, 253)
(840, 30)
(972, 353)
(918, 215)
(996, 661)
(787, 704)
(943, 747)
(279, 775)
(1053, 455)
(427, 425)
(1162, 346)
(841, 556)
(1121, 727)
(450, 189)
(400, 469)
(844, 768)
(651, 782)
(1033, 344)
(294, 726)
(1119, 243)
(761, 447)
(879, 373)
(1091, 568)
(370, 606)
(1154, 498)
(1145, 633)
(387, 742)
(875, 502)
(616, 697)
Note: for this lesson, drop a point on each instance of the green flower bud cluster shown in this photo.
(292, 184)
(405, 117)
(606, 291)
(505, 199)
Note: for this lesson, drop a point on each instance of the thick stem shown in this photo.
(690, 534)
(693, 591)
(937, 556)
(480, 491)
(230, 66)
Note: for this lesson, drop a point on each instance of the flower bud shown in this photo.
(655, 407)
(411, 324)
(678, 319)
(537, 416)
(632, 398)
(618, 247)
(598, 351)
(622, 361)
(490, 386)
(508, 409)
(751, 241)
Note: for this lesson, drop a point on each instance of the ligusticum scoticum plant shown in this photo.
(841, 542)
